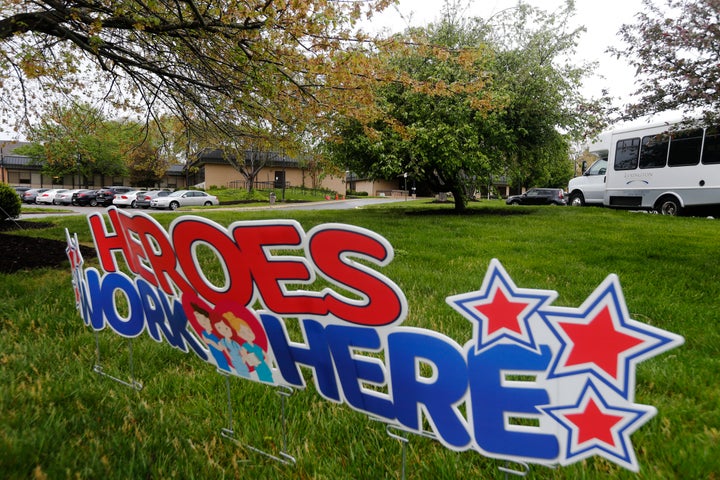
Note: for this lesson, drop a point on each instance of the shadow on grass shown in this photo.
(25, 253)
(9, 225)
(471, 212)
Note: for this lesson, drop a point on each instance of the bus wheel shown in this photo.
(577, 200)
(669, 206)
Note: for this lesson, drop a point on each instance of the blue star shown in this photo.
(597, 427)
(500, 310)
(601, 340)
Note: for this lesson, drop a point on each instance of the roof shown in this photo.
(20, 161)
(29, 163)
(271, 159)
(176, 170)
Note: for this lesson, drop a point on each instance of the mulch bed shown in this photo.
(21, 253)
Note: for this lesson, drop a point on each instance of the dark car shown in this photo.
(30, 195)
(106, 195)
(143, 201)
(84, 198)
(539, 196)
(21, 190)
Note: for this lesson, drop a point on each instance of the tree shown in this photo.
(267, 60)
(475, 98)
(426, 115)
(146, 167)
(676, 56)
(77, 140)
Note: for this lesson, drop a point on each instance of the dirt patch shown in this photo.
(22, 253)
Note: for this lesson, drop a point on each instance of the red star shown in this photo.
(502, 313)
(594, 424)
(598, 342)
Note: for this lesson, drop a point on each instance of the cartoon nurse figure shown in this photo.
(232, 348)
(253, 355)
(210, 339)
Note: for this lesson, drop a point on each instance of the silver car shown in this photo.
(184, 198)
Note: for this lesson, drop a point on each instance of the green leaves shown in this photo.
(674, 51)
(471, 99)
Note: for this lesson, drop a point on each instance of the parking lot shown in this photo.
(47, 210)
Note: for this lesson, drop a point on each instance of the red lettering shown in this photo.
(331, 248)
(187, 234)
(152, 254)
(175, 262)
(105, 242)
(270, 273)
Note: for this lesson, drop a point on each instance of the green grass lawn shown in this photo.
(59, 419)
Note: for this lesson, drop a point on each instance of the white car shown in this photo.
(48, 196)
(184, 198)
(64, 198)
(127, 199)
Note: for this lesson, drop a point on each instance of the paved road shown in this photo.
(325, 205)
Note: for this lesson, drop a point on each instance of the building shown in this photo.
(378, 187)
(212, 169)
(20, 170)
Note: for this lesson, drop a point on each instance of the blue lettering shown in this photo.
(177, 320)
(165, 320)
(315, 354)
(491, 401)
(352, 370)
(90, 300)
(154, 314)
(438, 393)
(133, 325)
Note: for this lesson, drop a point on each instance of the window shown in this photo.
(626, 154)
(597, 168)
(685, 148)
(654, 151)
(711, 148)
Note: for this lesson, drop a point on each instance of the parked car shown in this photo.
(64, 198)
(21, 190)
(127, 199)
(84, 198)
(106, 195)
(184, 198)
(48, 196)
(539, 196)
(143, 201)
(30, 195)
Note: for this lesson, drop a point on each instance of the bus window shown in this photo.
(711, 149)
(685, 148)
(626, 154)
(654, 151)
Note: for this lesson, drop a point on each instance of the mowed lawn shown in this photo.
(59, 419)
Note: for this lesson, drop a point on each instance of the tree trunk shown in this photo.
(459, 197)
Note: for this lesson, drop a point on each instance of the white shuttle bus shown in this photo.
(658, 168)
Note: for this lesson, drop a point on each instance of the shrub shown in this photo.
(9, 202)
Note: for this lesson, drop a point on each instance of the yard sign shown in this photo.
(536, 383)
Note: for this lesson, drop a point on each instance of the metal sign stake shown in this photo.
(228, 432)
(98, 368)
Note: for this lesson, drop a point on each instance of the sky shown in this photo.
(601, 19)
